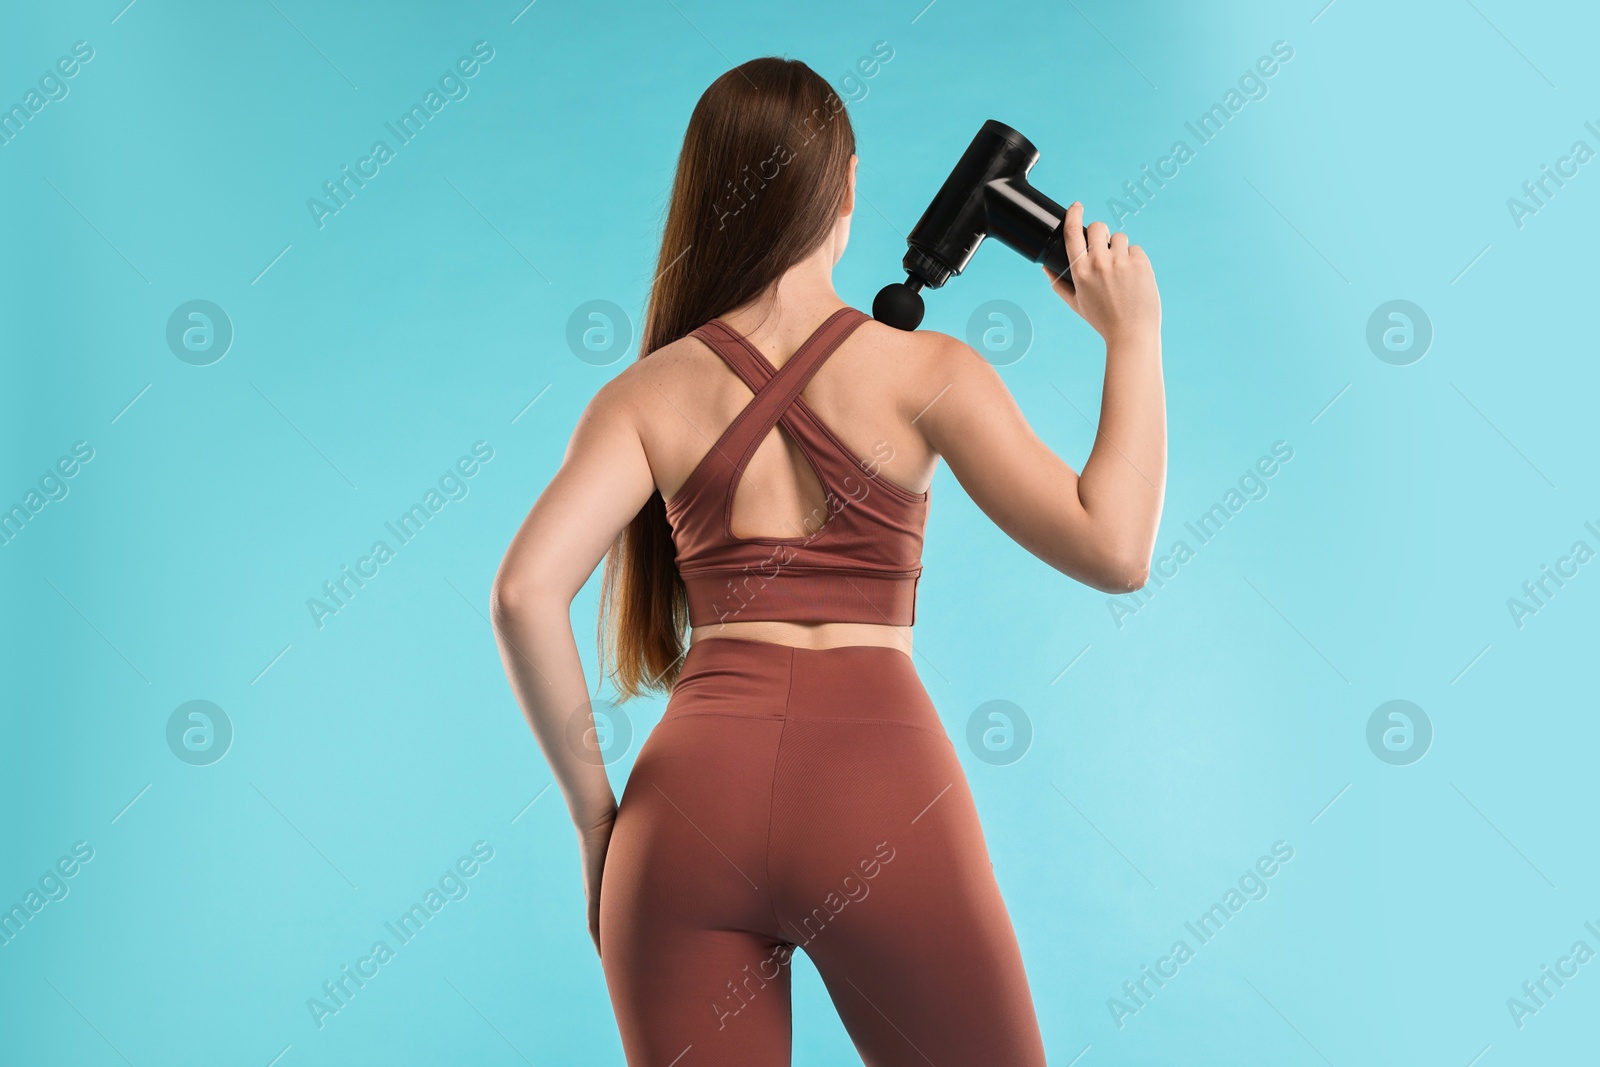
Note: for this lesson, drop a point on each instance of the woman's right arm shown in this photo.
(1098, 527)
(604, 480)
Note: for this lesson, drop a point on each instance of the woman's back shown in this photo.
(862, 401)
(868, 392)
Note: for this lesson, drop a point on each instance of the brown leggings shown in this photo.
(806, 797)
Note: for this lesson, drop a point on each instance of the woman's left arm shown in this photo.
(603, 481)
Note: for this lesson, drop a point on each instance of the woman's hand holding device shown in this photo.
(1112, 286)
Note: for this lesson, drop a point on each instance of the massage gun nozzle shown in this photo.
(899, 305)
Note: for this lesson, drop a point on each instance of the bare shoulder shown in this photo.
(666, 374)
(911, 363)
(916, 347)
(930, 351)
(922, 368)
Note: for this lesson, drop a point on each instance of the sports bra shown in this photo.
(857, 557)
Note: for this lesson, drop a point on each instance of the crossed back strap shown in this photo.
(775, 391)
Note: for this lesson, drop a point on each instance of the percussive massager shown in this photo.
(986, 195)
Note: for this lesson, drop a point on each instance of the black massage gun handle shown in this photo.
(1028, 222)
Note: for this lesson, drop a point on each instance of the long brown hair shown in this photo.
(761, 179)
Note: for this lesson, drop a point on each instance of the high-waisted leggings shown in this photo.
(806, 798)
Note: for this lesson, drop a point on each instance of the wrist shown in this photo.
(1133, 336)
(595, 821)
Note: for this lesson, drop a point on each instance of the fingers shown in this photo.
(1090, 249)
(1099, 238)
(1074, 229)
(1073, 235)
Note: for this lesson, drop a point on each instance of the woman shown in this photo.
(760, 476)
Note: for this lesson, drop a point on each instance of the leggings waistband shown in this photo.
(766, 680)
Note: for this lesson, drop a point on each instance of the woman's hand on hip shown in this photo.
(593, 842)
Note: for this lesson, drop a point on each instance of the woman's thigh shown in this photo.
(884, 879)
(685, 912)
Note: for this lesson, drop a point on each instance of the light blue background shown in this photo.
(1224, 716)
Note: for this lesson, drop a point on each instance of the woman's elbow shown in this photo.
(1106, 578)
(1116, 574)
(1127, 577)
(514, 596)
(504, 598)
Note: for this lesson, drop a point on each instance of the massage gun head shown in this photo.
(897, 304)
(987, 194)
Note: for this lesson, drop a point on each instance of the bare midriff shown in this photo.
(810, 635)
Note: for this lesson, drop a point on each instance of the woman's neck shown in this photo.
(786, 313)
